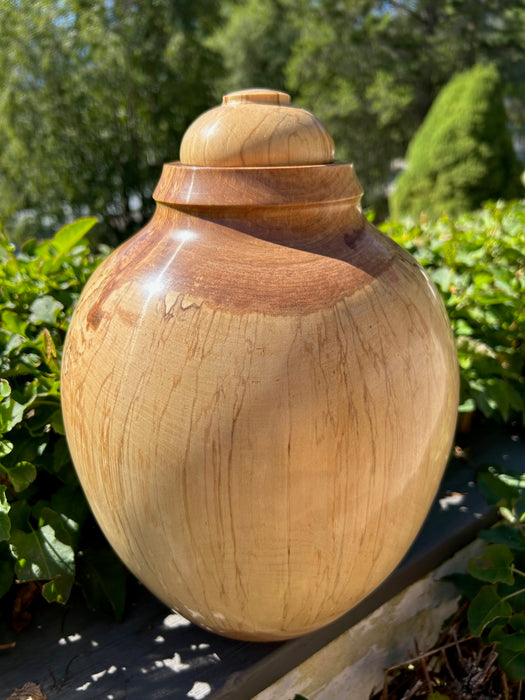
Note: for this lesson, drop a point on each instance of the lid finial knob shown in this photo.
(256, 128)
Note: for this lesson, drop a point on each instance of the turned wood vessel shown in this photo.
(259, 389)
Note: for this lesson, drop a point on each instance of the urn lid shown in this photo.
(256, 128)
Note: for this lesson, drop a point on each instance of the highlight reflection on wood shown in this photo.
(260, 392)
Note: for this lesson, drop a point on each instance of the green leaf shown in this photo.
(504, 280)
(45, 310)
(71, 504)
(11, 413)
(513, 479)
(467, 406)
(48, 349)
(57, 422)
(482, 278)
(6, 448)
(14, 322)
(514, 594)
(513, 663)
(66, 529)
(504, 534)
(495, 490)
(21, 475)
(517, 622)
(61, 463)
(31, 360)
(497, 391)
(468, 586)
(40, 555)
(5, 521)
(20, 514)
(493, 565)
(5, 389)
(463, 328)
(59, 589)
(6, 576)
(442, 278)
(103, 578)
(71, 234)
(515, 641)
(519, 510)
(486, 607)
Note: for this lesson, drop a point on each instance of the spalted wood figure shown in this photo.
(259, 388)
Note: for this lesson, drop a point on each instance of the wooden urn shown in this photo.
(259, 388)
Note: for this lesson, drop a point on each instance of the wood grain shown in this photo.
(256, 128)
(260, 398)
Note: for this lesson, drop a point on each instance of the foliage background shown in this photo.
(96, 94)
(48, 539)
(477, 262)
(94, 97)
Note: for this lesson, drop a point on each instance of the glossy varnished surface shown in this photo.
(259, 400)
(256, 128)
(187, 187)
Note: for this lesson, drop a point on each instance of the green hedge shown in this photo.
(48, 538)
(477, 262)
(47, 534)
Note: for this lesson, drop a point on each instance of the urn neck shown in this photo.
(295, 206)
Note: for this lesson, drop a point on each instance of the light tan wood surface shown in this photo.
(256, 128)
(260, 391)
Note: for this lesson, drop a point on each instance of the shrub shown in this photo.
(462, 154)
(477, 261)
(495, 584)
(47, 534)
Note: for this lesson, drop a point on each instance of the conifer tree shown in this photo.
(462, 155)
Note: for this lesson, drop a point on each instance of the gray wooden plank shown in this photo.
(152, 654)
